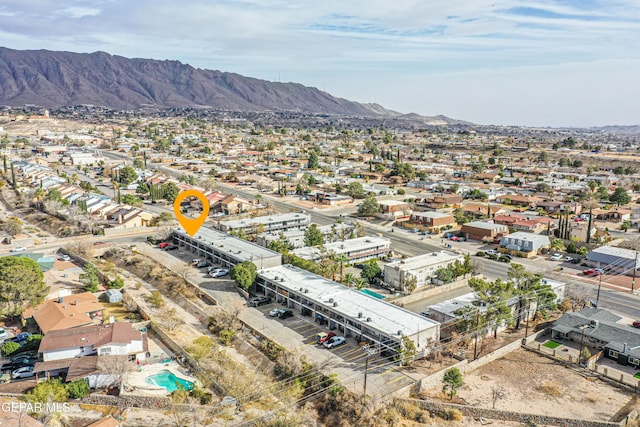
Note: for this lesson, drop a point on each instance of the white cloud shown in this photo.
(343, 46)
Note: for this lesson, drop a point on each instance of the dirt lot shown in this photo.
(536, 385)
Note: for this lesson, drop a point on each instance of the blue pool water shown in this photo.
(169, 381)
(372, 294)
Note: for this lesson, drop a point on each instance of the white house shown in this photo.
(110, 339)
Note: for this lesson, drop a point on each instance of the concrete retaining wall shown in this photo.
(111, 232)
(496, 414)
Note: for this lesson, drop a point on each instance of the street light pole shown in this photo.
(635, 268)
(599, 285)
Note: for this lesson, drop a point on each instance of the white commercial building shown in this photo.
(224, 249)
(356, 250)
(268, 223)
(421, 267)
(295, 238)
(351, 312)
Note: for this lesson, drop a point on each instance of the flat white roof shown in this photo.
(223, 242)
(484, 225)
(425, 260)
(385, 317)
(342, 247)
(392, 202)
(431, 214)
(617, 252)
(248, 222)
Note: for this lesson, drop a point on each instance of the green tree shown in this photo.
(452, 381)
(9, 347)
(313, 161)
(90, 277)
(404, 170)
(407, 350)
(444, 274)
(156, 299)
(244, 274)
(355, 189)
(369, 207)
(593, 185)
(127, 175)
(21, 284)
(359, 283)
(49, 391)
(313, 236)
(117, 283)
(78, 389)
(130, 199)
(620, 197)
(625, 226)
(171, 191)
(348, 279)
(142, 188)
(370, 270)
(557, 245)
(603, 193)
(138, 163)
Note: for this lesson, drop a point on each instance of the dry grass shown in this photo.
(550, 389)
(115, 309)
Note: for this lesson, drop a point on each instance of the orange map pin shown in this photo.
(191, 225)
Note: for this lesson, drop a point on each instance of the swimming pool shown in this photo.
(372, 294)
(169, 381)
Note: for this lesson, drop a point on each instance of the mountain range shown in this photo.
(55, 79)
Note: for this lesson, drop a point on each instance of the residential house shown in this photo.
(528, 243)
(578, 231)
(440, 202)
(550, 206)
(617, 214)
(330, 199)
(480, 230)
(599, 329)
(72, 311)
(529, 226)
(433, 221)
(394, 209)
(483, 210)
(233, 205)
(111, 339)
(518, 200)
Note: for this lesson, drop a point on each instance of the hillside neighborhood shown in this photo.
(347, 272)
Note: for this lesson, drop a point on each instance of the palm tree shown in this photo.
(360, 283)
(348, 279)
(342, 260)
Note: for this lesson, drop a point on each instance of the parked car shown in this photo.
(492, 252)
(568, 259)
(276, 312)
(202, 264)
(65, 258)
(505, 258)
(170, 248)
(99, 243)
(163, 245)
(24, 372)
(334, 342)
(19, 249)
(556, 257)
(324, 336)
(3, 334)
(261, 300)
(22, 336)
(592, 272)
(195, 261)
(636, 324)
(285, 314)
(219, 273)
(24, 360)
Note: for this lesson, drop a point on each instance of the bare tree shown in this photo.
(169, 319)
(497, 393)
(116, 366)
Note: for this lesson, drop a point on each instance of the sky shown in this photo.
(506, 62)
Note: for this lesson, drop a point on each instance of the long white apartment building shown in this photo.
(421, 267)
(357, 250)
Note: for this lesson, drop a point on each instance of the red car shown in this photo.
(324, 336)
(594, 272)
(636, 324)
(99, 243)
(163, 245)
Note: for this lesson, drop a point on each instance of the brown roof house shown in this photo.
(483, 210)
(480, 230)
(111, 339)
(71, 311)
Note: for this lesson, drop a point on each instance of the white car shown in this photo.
(219, 273)
(556, 257)
(65, 258)
(19, 249)
(334, 342)
(276, 312)
(25, 372)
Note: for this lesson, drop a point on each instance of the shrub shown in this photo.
(480, 253)
(202, 395)
(226, 336)
(271, 349)
(9, 348)
(78, 389)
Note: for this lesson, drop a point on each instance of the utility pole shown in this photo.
(475, 343)
(599, 285)
(635, 268)
(370, 352)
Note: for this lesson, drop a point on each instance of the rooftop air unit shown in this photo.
(399, 332)
(360, 315)
(368, 319)
(335, 304)
(306, 291)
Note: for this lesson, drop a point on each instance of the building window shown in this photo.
(613, 353)
(634, 361)
(105, 350)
